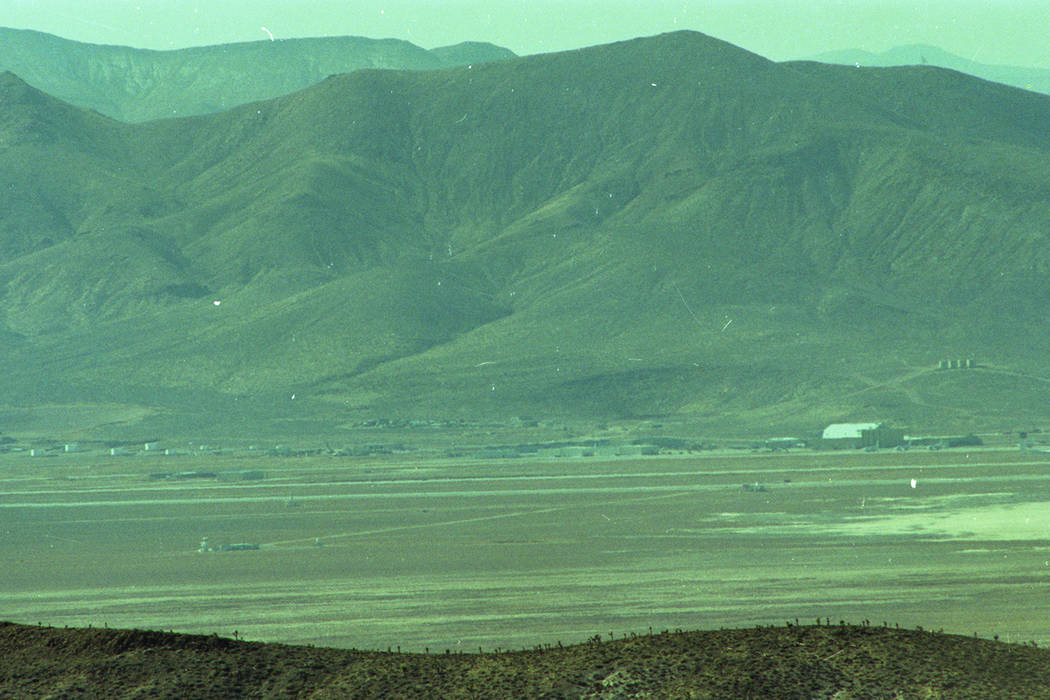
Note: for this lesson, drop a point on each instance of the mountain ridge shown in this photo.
(139, 85)
(665, 226)
(1024, 77)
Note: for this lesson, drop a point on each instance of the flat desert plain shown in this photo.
(377, 553)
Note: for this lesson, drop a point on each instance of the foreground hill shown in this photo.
(669, 226)
(795, 662)
(138, 85)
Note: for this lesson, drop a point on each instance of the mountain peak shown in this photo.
(697, 43)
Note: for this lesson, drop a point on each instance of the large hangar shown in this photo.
(841, 436)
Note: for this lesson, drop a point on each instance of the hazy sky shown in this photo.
(989, 31)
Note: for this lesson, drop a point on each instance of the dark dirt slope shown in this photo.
(786, 662)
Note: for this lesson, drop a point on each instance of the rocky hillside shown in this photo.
(854, 662)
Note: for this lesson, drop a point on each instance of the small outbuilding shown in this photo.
(857, 435)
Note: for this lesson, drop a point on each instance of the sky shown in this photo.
(1012, 32)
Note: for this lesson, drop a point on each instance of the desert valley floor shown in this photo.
(378, 553)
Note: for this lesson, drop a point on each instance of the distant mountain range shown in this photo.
(663, 227)
(918, 54)
(139, 85)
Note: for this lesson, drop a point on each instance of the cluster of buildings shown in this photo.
(842, 436)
